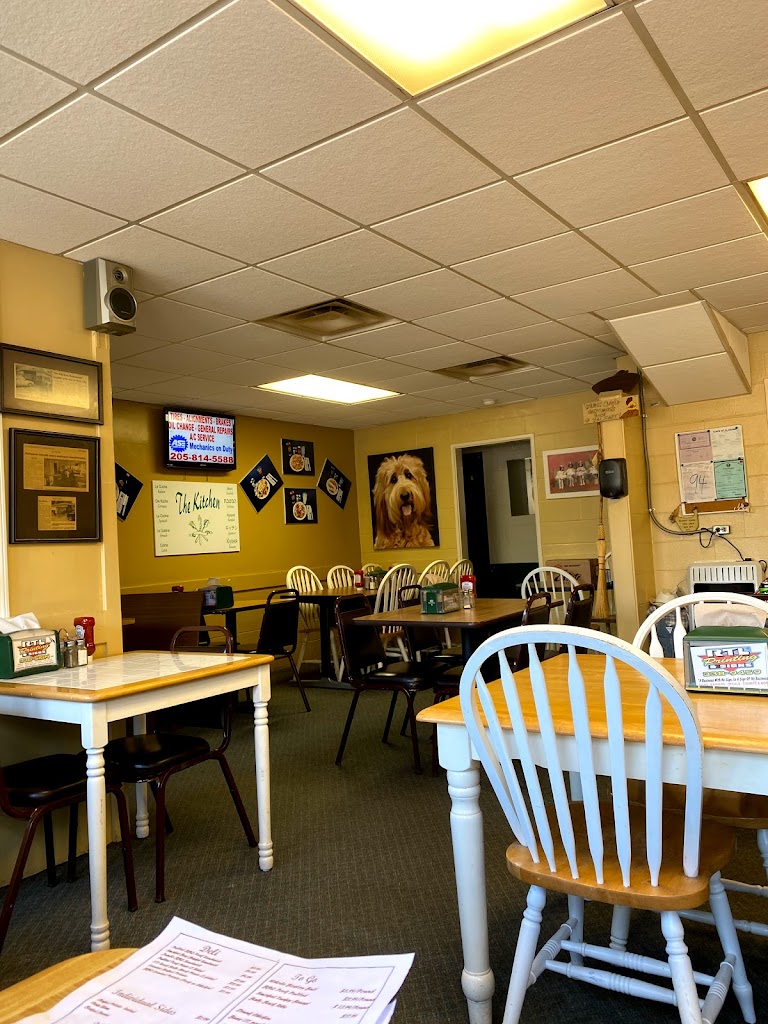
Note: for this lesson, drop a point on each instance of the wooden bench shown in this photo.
(154, 618)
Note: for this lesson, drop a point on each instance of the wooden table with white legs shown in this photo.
(127, 686)
(735, 737)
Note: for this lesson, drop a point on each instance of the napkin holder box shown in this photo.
(26, 652)
(439, 598)
(726, 659)
(216, 598)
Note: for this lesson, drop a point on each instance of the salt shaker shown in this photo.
(82, 651)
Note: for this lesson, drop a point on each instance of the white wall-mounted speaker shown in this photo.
(109, 304)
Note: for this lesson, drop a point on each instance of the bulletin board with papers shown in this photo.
(711, 469)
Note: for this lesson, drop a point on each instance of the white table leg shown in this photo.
(142, 803)
(469, 864)
(94, 739)
(261, 694)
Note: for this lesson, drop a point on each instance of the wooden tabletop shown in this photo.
(43, 990)
(331, 593)
(123, 674)
(487, 612)
(728, 721)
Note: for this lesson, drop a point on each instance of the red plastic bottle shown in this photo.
(84, 628)
(359, 579)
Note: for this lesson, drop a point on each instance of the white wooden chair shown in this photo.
(306, 581)
(738, 810)
(554, 581)
(461, 568)
(401, 575)
(438, 571)
(340, 576)
(370, 566)
(609, 852)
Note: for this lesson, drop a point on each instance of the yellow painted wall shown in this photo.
(267, 545)
(749, 530)
(41, 307)
(568, 526)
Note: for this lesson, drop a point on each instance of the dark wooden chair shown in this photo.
(369, 669)
(279, 633)
(31, 791)
(579, 609)
(157, 617)
(156, 757)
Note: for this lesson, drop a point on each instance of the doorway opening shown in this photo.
(498, 513)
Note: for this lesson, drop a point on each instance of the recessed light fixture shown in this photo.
(760, 191)
(327, 389)
(422, 43)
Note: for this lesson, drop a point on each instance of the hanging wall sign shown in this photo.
(298, 457)
(333, 483)
(127, 489)
(300, 505)
(194, 519)
(262, 483)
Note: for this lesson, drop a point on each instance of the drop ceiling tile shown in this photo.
(696, 380)
(452, 392)
(675, 227)
(446, 355)
(741, 292)
(423, 381)
(715, 51)
(565, 300)
(138, 395)
(480, 320)
(159, 263)
(122, 346)
(565, 96)
(738, 128)
(176, 321)
(586, 323)
(179, 359)
(487, 220)
(247, 374)
(723, 262)
(490, 399)
(273, 87)
(646, 305)
(40, 221)
(248, 341)
(251, 220)
(581, 367)
(749, 317)
(390, 166)
(25, 91)
(391, 341)
(539, 335)
(351, 263)
(566, 386)
(315, 359)
(96, 154)
(551, 261)
(553, 355)
(436, 292)
(516, 380)
(637, 173)
(381, 373)
(141, 296)
(250, 294)
(84, 38)
(125, 376)
(179, 387)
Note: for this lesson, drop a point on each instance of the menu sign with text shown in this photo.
(194, 519)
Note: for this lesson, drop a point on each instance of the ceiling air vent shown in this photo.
(482, 369)
(327, 321)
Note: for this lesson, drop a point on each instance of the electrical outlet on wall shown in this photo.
(722, 530)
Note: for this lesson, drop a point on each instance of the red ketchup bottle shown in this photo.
(84, 630)
(359, 578)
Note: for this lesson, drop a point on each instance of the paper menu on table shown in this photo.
(191, 974)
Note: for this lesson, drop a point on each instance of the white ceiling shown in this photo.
(245, 163)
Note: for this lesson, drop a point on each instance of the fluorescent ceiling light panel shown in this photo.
(327, 389)
(760, 191)
(422, 43)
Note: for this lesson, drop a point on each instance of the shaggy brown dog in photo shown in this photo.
(403, 504)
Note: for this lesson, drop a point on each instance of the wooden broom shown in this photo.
(600, 609)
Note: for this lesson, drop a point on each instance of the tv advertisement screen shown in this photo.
(199, 439)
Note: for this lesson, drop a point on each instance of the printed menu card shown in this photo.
(192, 974)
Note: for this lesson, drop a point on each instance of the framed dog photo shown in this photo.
(403, 505)
(572, 472)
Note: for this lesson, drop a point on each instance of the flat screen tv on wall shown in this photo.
(198, 439)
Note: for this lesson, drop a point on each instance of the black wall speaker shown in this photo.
(109, 304)
(613, 478)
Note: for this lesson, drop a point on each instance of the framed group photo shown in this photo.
(36, 383)
(54, 487)
(572, 472)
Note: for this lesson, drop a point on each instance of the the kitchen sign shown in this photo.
(195, 519)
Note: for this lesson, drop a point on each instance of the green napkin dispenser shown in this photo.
(29, 651)
(439, 598)
(726, 659)
(217, 598)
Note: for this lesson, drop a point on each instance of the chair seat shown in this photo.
(131, 757)
(739, 810)
(409, 674)
(674, 892)
(43, 779)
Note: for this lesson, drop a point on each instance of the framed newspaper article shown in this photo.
(58, 387)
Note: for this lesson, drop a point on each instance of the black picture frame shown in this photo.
(78, 382)
(262, 483)
(333, 483)
(298, 452)
(54, 498)
(300, 506)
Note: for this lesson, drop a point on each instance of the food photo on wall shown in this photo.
(300, 506)
(403, 504)
(262, 483)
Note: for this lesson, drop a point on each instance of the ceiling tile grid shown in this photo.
(245, 164)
